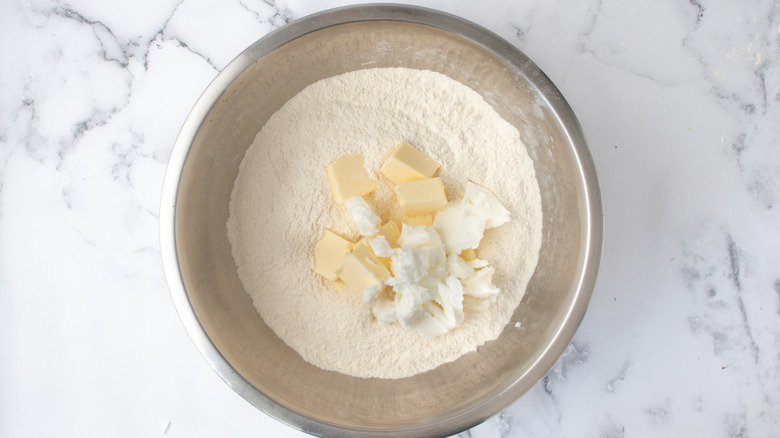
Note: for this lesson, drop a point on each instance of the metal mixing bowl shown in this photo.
(218, 313)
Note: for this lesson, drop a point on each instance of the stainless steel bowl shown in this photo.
(219, 315)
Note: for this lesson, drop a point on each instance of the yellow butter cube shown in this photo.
(328, 254)
(426, 219)
(357, 275)
(348, 177)
(406, 164)
(468, 254)
(423, 197)
(363, 252)
(362, 272)
(392, 232)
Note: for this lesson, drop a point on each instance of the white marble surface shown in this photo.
(680, 103)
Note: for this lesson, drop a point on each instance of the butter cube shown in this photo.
(348, 177)
(392, 232)
(362, 250)
(423, 197)
(468, 254)
(406, 164)
(426, 220)
(328, 254)
(363, 273)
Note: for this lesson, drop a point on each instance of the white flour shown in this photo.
(281, 204)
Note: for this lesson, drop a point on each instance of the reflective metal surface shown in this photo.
(219, 315)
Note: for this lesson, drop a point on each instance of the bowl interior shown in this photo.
(458, 394)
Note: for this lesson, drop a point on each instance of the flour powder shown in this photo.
(281, 204)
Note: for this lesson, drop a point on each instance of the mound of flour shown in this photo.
(281, 204)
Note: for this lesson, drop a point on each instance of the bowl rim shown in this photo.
(593, 231)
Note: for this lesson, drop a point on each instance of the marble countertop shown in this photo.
(679, 101)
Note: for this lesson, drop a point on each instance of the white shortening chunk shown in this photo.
(458, 229)
(418, 235)
(450, 298)
(458, 267)
(406, 164)
(479, 201)
(477, 263)
(383, 306)
(380, 246)
(432, 307)
(409, 299)
(463, 223)
(480, 285)
(363, 216)
(410, 265)
(421, 253)
(348, 177)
